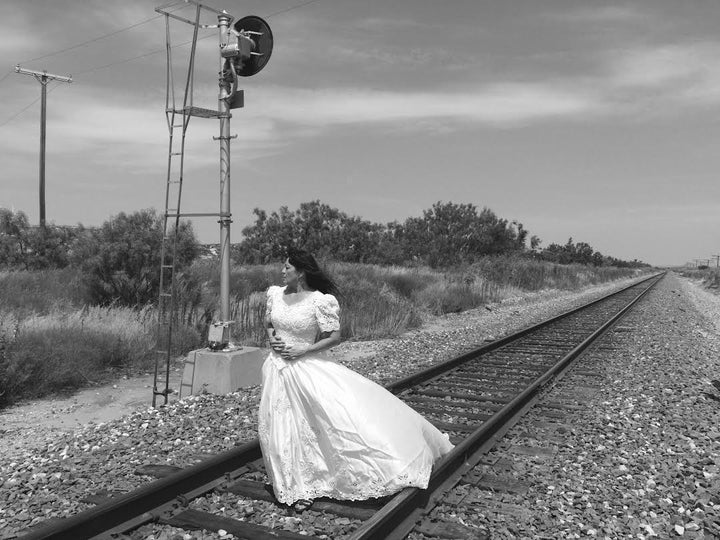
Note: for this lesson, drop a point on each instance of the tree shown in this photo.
(325, 231)
(121, 259)
(51, 246)
(14, 238)
(445, 235)
(535, 243)
(33, 248)
(450, 234)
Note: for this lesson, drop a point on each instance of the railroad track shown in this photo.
(475, 398)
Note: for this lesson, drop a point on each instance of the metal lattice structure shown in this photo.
(178, 120)
(244, 50)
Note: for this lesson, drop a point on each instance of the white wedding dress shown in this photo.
(327, 431)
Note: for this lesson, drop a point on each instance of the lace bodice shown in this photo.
(299, 317)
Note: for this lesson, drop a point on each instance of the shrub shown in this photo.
(121, 259)
(453, 294)
(406, 282)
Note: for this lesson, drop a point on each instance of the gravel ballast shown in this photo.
(658, 412)
(640, 458)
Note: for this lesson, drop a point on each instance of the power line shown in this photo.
(14, 116)
(135, 25)
(6, 75)
(291, 8)
(157, 51)
(124, 61)
(98, 68)
(93, 40)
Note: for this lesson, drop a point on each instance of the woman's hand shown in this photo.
(293, 352)
(276, 343)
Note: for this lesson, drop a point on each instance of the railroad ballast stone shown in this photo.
(640, 458)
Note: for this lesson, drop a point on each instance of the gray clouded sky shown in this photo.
(583, 119)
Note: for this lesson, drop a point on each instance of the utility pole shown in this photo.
(43, 77)
(717, 260)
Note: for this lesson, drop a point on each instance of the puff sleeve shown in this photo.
(271, 293)
(327, 312)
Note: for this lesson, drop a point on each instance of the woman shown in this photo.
(325, 430)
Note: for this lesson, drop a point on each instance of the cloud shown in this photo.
(681, 74)
(496, 104)
(612, 14)
(132, 130)
(378, 24)
(386, 57)
(641, 83)
(663, 65)
(14, 44)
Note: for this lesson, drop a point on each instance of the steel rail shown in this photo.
(441, 368)
(106, 516)
(397, 518)
(129, 507)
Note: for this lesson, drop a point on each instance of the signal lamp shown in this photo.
(253, 47)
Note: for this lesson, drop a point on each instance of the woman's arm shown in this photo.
(276, 343)
(325, 340)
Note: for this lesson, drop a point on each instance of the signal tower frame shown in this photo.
(228, 97)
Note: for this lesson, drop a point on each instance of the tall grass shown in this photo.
(248, 313)
(41, 291)
(61, 350)
(51, 341)
(712, 281)
(534, 275)
(710, 277)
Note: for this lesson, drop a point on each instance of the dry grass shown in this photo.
(62, 350)
(710, 277)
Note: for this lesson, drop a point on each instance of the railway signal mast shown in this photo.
(43, 77)
(244, 48)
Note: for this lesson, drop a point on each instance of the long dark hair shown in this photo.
(315, 277)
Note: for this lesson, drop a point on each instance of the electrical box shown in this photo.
(219, 335)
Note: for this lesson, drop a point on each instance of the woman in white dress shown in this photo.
(325, 430)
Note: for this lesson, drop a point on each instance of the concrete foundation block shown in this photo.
(222, 372)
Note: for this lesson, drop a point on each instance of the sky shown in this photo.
(585, 119)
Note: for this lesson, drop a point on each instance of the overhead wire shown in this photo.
(157, 51)
(72, 47)
(6, 75)
(144, 55)
(303, 4)
(93, 40)
(14, 116)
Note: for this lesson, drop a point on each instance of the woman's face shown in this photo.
(290, 274)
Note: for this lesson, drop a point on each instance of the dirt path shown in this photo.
(90, 406)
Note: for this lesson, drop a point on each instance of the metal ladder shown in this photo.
(177, 118)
